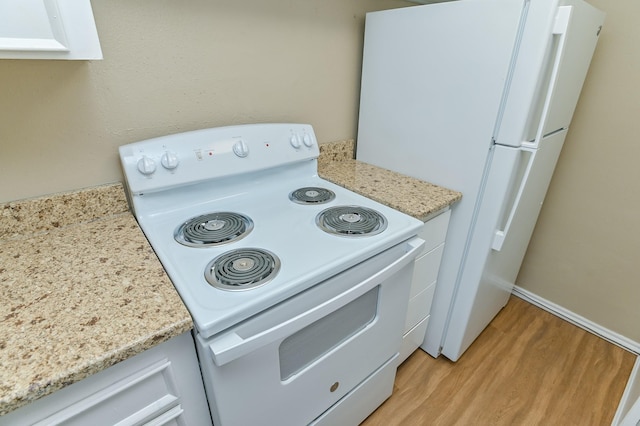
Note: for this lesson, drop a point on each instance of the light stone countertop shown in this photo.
(80, 290)
(414, 197)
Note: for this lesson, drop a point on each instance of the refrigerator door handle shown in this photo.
(501, 234)
(561, 25)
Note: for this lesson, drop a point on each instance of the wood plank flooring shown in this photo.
(527, 368)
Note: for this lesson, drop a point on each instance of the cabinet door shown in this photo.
(161, 386)
(427, 263)
(423, 284)
(132, 400)
(48, 29)
(628, 413)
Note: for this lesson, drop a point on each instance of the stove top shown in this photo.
(238, 235)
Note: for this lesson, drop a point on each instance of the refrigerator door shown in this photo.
(432, 83)
(491, 264)
(552, 62)
(505, 221)
(581, 24)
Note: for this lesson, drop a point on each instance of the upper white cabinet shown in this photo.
(48, 29)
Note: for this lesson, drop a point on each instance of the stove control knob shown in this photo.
(241, 149)
(306, 139)
(170, 160)
(295, 141)
(146, 165)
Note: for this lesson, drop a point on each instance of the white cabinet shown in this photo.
(48, 29)
(161, 386)
(628, 413)
(425, 275)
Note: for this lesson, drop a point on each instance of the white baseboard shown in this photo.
(577, 320)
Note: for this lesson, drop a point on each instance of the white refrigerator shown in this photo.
(476, 96)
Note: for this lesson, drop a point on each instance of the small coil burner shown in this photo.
(242, 269)
(351, 221)
(213, 229)
(312, 195)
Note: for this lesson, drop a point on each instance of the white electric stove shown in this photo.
(291, 281)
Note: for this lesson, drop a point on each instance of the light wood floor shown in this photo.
(527, 368)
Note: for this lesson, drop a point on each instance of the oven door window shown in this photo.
(321, 337)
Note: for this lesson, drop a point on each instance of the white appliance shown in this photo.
(298, 288)
(477, 96)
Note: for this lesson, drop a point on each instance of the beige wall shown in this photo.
(585, 251)
(174, 66)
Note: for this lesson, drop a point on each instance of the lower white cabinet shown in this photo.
(161, 386)
(423, 286)
(628, 413)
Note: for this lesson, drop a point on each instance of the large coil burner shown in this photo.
(242, 269)
(213, 229)
(351, 221)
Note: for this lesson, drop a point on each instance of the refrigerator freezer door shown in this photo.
(582, 29)
(432, 84)
(488, 275)
(552, 62)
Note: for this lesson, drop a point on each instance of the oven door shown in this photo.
(291, 363)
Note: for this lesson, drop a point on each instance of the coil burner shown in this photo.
(312, 195)
(351, 221)
(242, 269)
(213, 229)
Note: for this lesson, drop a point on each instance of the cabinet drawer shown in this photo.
(130, 401)
(173, 417)
(413, 339)
(425, 271)
(354, 407)
(419, 307)
(434, 231)
(160, 386)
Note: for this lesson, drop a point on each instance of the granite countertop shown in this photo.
(80, 290)
(414, 197)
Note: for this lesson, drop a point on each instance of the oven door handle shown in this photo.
(236, 342)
